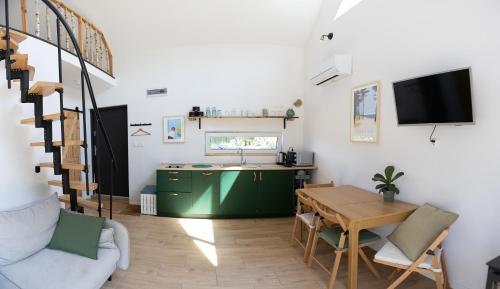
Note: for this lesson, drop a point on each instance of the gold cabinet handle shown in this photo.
(174, 194)
(254, 177)
(260, 176)
(173, 179)
(173, 173)
(207, 174)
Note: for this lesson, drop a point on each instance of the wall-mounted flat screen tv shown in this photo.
(441, 98)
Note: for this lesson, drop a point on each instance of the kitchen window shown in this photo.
(229, 143)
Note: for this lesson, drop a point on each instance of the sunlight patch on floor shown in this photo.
(202, 232)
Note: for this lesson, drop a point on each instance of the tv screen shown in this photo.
(434, 99)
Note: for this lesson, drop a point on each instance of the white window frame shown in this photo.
(259, 152)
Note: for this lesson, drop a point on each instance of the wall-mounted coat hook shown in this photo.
(140, 124)
(329, 36)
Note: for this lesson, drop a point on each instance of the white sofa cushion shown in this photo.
(28, 229)
(107, 239)
(52, 269)
(6, 283)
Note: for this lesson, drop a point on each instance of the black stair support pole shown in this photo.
(111, 190)
(47, 136)
(25, 86)
(60, 91)
(96, 176)
(73, 201)
(85, 140)
(57, 160)
(7, 42)
(38, 106)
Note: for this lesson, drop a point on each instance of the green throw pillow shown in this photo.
(77, 234)
(420, 229)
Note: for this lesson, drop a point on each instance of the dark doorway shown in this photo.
(115, 121)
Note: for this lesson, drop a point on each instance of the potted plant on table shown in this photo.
(387, 186)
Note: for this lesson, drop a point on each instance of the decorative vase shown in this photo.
(290, 113)
(388, 196)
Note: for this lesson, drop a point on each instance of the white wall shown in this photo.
(19, 183)
(249, 77)
(396, 39)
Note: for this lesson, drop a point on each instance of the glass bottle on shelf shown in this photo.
(208, 112)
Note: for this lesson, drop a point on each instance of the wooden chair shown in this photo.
(337, 238)
(305, 216)
(431, 262)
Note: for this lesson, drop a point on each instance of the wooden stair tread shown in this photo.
(14, 46)
(75, 185)
(54, 116)
(21, 61)
(45, 88)
(58, 143)
(14, 35)
(81, 202)
(66, 166)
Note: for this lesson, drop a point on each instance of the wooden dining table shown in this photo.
(363, 210)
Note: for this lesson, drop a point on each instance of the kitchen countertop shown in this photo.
(235, 167)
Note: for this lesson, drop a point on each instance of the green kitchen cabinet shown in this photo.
(206, 189)
(238, 193)
(174, 204)
(276, 192)
(174, 181)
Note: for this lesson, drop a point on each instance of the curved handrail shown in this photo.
(83, 66)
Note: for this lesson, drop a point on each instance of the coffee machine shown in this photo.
(286, 158)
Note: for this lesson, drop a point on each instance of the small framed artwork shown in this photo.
(365, 113)
(173, 129)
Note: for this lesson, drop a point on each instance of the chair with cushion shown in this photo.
(416, 246)
(305, 216)
(337, 237)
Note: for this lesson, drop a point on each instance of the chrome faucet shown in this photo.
(242, 161)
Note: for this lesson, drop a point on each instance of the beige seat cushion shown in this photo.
(420, 229)
(390, 253)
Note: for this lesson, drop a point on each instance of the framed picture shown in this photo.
(173, 129)
(365, 113)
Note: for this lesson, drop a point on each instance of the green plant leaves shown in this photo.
(397, 176)
(387, 180)
(379, 178)
(389, 171)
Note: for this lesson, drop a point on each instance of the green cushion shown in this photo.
(420, 229)
(77, 234)
(332, 236)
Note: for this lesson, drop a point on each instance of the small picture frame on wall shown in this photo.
(174, 129)
(365, 113)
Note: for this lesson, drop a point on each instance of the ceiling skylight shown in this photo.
(345, 6)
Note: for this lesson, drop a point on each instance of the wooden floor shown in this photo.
(171, 253)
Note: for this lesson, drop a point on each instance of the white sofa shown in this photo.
(26, 263)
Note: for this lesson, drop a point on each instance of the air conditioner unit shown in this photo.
(334, 68)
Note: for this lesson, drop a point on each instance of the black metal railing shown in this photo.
(85, 83)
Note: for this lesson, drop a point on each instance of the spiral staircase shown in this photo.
(72, 143)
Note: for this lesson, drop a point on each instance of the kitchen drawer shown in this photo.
(177, 174)
(174, 204)
(173, 183)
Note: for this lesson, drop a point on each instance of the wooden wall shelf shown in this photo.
(284, 118)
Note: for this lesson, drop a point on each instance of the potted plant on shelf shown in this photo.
(387, 186)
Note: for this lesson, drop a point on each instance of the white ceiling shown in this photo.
(167, 23)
